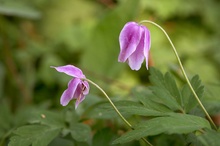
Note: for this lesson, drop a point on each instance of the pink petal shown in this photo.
(78, 91)
(70, 70)
(79, 100)
(68, 94)
(86, 88)
(147, 44)
(129, 39)
(137, 58)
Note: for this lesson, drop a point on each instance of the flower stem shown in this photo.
(183, 71)
(115, 108)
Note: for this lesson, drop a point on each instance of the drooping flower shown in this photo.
(135, 44)
(77, 88)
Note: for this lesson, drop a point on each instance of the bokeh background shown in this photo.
(37, 34)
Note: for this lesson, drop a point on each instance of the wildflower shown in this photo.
(77, 88)
(135, 43)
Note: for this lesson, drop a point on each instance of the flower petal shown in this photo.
(68, 94)
(81, 93)
(79, 100)
(70, 70)
(85, 87)
(78, 90)
(137, 58)
(147, 44)
(129, 39)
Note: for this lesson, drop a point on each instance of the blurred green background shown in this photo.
(37, 34)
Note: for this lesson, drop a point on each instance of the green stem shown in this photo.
(115, 108)
(183, 71)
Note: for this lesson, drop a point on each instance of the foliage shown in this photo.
(37, 34)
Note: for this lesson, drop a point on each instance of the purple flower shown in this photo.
(77, 88)
(135, 44)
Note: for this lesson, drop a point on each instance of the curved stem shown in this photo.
(183, 71)
(115, 108)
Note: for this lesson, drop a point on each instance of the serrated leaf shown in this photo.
(168, 94)
(146, 97)
(170, 84)
(164, 97)
(156, 77)
(81, 132)
(189, 100)
(166, 90)
(35, 135)
(173, 124)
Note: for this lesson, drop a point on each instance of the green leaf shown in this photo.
(50, 118)
(189, 100)
(6, 117)
(104, 137)
(35, 135)
(70, 115)
(210, 138)
(167, 93)
(104, 110)
(170, 84)
(173, 124)
(19, 9)
(61, 142)
(165, 89)
(81, 132)
(156, 77)
(146, 97)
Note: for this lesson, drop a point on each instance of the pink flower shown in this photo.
(135, 44)
(77, 88)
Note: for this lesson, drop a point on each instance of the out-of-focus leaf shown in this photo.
(70, 115)
(48, 74)
(35, 135)
(73, 19)
(210, 138)
(173, 124)
(166, 10)
(104, 137)
(81, 132)
(103, 48)
(19, 9)
(212, 99)
(61, 141)
(2, 76)
(6, 117)
(45, 117)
